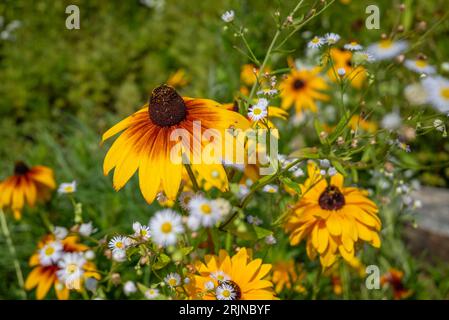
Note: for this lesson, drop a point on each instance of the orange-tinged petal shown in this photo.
(33, 278)
(122, 125)
(47, 279)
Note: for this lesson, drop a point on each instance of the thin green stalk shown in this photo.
(12, 250)
(316, 285)
(192, 178)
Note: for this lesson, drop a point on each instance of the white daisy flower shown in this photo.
(205, 210)
(89, 255)
(415, 94)
(193, 222)
(387, 49)
(71, 269)
(254, 220)
(118, 243)
(220, 276)
(439, 125)
(225, 292)
(165, 227)
(331, 172)
(315, 43)
(173, 279)
(419, 66)
(151, 293)
(267, 92)
(60, 232)
(363, 56)
(228, 16)
(438, 92)
(353, 46)
(209, 285)
(242, 191)
(325, 163)
(256, 113)
(184, 199)
(67, 187)
(140, 231)
(86, 229)
(391, 121)
(270, 188)
(298, 173)
(223, 206)
(331, 38)
(445, 66)
(119, 255)
(129, 287)
(270, 240)
(51, 253)
(341, 72)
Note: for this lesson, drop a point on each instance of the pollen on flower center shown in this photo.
(166, 227)
(206, 209)
(166, 107)
(119, 245)
(385, 44)
(72, 268)
(331, 199)
(298, 84)
(20, 168)
(445, 93)
(49, 251)
(421, 63)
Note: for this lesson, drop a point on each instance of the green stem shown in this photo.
(248, 197)
(12, 250)
(316, 285)
(192, 178)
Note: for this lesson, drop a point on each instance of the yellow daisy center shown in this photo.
(445, 93)
(143, 232)
(119, 244)
(72, 268)
(68, 189)
(385, 44)
(353, 43)
(421, 63)
(226, 293)
(257, 111)
(166, 227)
(172, 282)
(49, 251)
(206, 209)
(316, 40)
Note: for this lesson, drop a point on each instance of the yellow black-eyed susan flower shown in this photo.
(26, 185)
(145, 143)
(342, 59)
(231, 278)
(332, 218)
(302, 88)
(53, 261)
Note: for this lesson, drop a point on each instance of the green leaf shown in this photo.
(161, 262)
(291, 184)
(186, 250)
(339, 167)
(305, 153)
